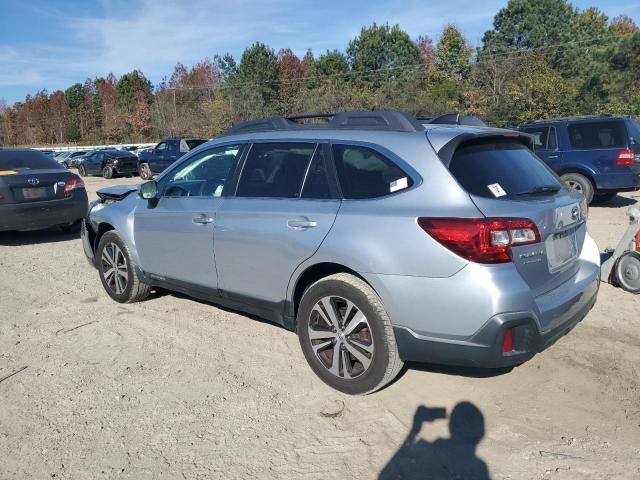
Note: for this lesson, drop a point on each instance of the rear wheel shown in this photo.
(107, 172)
(145, 171)
(579, 183)
(628, 271)
(346, 335)
(118, 271)
(82, 171)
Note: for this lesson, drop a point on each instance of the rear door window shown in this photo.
(318, 183)
(594, 135)
(500, 170)
(275, 170)
(365, 173)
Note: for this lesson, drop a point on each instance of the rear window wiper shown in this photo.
(541, 190)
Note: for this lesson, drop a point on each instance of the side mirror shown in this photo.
(148, 190)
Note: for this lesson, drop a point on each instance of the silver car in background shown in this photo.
(379, 240)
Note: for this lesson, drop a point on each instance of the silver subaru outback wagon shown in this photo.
(375, 238)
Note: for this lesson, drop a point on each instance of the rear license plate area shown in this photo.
(562, 248)
(34, 193)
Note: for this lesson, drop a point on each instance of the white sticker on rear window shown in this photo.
(398, 184)
(497, 190)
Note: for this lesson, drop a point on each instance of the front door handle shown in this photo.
(202, 219)
(552, 156)
(301, 224)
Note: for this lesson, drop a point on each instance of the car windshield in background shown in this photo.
(609, 134)
(502, 171)
(27, 160)
(194, 143)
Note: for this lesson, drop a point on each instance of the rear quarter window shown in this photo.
(593, 135)
(500, 170)
(365, 173)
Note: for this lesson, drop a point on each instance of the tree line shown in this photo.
(542, 58)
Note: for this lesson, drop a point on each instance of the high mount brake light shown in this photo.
(481, 240)
(73, 184)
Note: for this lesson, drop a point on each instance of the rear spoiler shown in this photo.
(448, 149)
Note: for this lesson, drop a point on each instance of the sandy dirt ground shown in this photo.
(173, 388)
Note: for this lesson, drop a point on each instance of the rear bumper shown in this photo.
(484, 348)
(40, 215)
(125, 169)
(627, 181)
(461, 320)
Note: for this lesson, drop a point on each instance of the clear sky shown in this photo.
(54, 43)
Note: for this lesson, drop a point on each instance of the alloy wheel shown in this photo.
(115, 270)
(574, 186)
(341, 337)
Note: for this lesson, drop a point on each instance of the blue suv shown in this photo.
(596, 155)
(154, 161)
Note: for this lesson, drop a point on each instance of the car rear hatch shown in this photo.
(26, 185)
(506, 180)
(125, 163)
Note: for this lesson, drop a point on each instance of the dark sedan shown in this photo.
(36, 192)
(108, 163)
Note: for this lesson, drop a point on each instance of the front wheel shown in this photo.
(579, 183)
(118, 271)
(145, 171)
(346, 335)
(627, 271)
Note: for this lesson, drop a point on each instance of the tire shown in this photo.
(112, 249)
(72, 227)
(579, 183)
(627, 271)
(82, 171)
(604, 197)
(145, 172)
(107, 172)
(376, 361)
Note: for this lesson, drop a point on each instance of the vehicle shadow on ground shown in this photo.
(52, 235)
(444, 458)
(470, 372)
(616, 202)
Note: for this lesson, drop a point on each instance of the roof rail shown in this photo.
(385, 120)
(575, 117)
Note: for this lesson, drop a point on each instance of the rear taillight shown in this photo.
(625, 157)
(507, 341)
(481, 240)
(73, 184)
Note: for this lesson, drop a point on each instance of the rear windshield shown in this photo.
(27, 160)
(194, 143)
(120, 154)
(504, 171)
(609, 134)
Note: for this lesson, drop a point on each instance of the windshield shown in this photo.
(503, 171)
(27, 160)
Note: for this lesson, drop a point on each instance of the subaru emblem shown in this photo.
(33, 181)
(575, 213)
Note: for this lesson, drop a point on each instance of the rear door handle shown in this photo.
(552, 156)
(202, 219)
(301, 224)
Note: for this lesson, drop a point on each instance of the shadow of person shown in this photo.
(452, 458)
